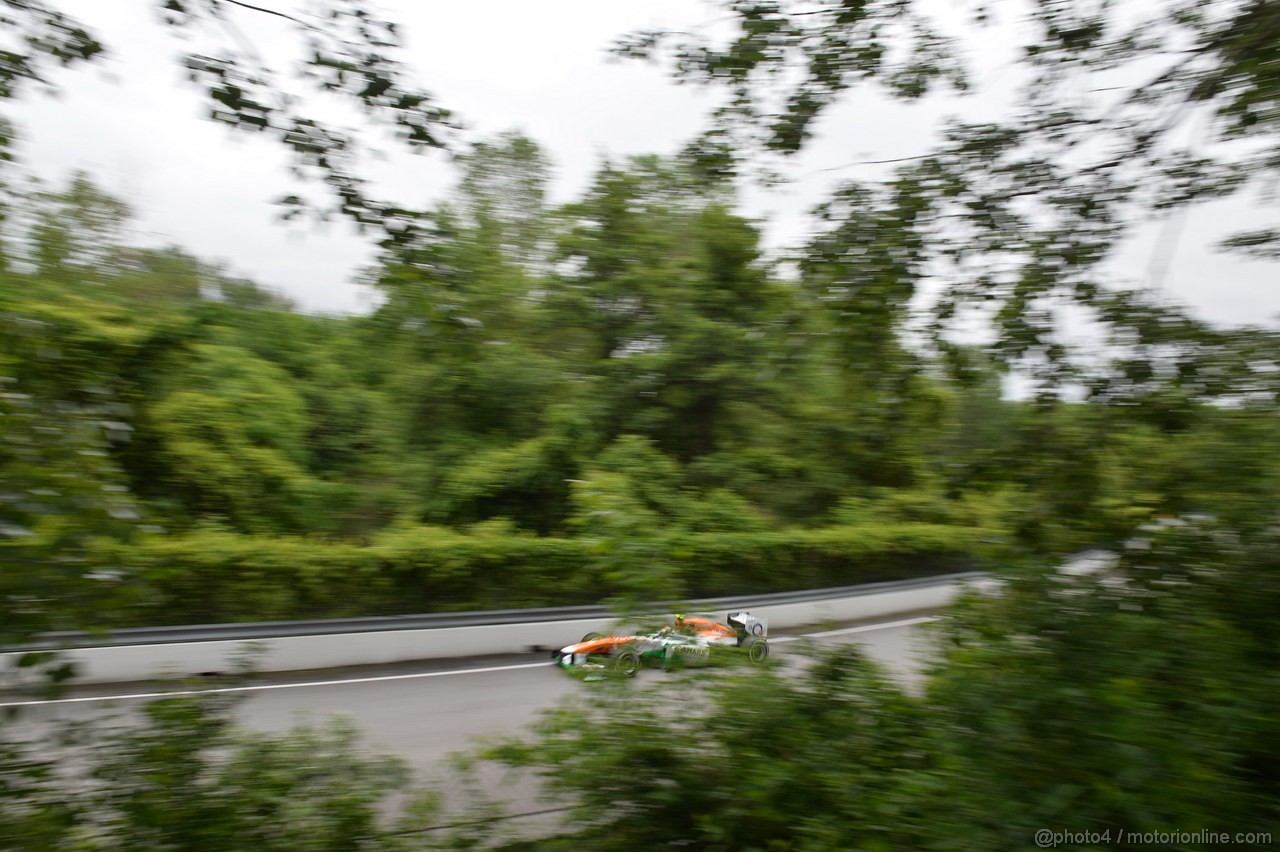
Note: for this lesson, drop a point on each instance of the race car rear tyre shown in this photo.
(757, 649)
(626, 663)
(591, 636)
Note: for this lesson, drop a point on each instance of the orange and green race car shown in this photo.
(686, 642)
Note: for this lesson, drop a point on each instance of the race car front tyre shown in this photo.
(591, 636)
(757, 649)
(627, 662)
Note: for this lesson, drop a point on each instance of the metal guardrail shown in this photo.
(246, 631)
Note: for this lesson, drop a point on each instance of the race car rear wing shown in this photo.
(745, 624)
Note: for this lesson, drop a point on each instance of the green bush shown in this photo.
(748, 563)
(181, 774)
(213, 575)
(1120, 705)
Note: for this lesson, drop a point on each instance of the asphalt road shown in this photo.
(425, 711)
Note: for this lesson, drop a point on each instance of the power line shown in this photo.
(481, 821)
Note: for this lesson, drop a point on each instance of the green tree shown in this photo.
(818, 761)
(667, 300)
(489, 420)
(350, 55)
(184, 776)
(232, 432)
(66, 388)
(1018, 214)
(1135, 700)
(486, 420)
(77, 234)
(503, 190)
(1125, 699)
(62, 491)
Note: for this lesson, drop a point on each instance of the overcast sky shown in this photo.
(541, 68)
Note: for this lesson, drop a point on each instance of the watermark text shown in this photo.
(1050, 839)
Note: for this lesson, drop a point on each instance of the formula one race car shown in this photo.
(685, 642)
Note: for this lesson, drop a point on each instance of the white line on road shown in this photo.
(266, 686)
(862, 628)
(865, 628)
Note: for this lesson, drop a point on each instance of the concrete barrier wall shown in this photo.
(119, 664)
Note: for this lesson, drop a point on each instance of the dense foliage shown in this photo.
(1126, 707)
(624, 396)
(523, 419)
(1125, 114)
(619, 397)
(347, 57)
(183, 775)
(1136, 702)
